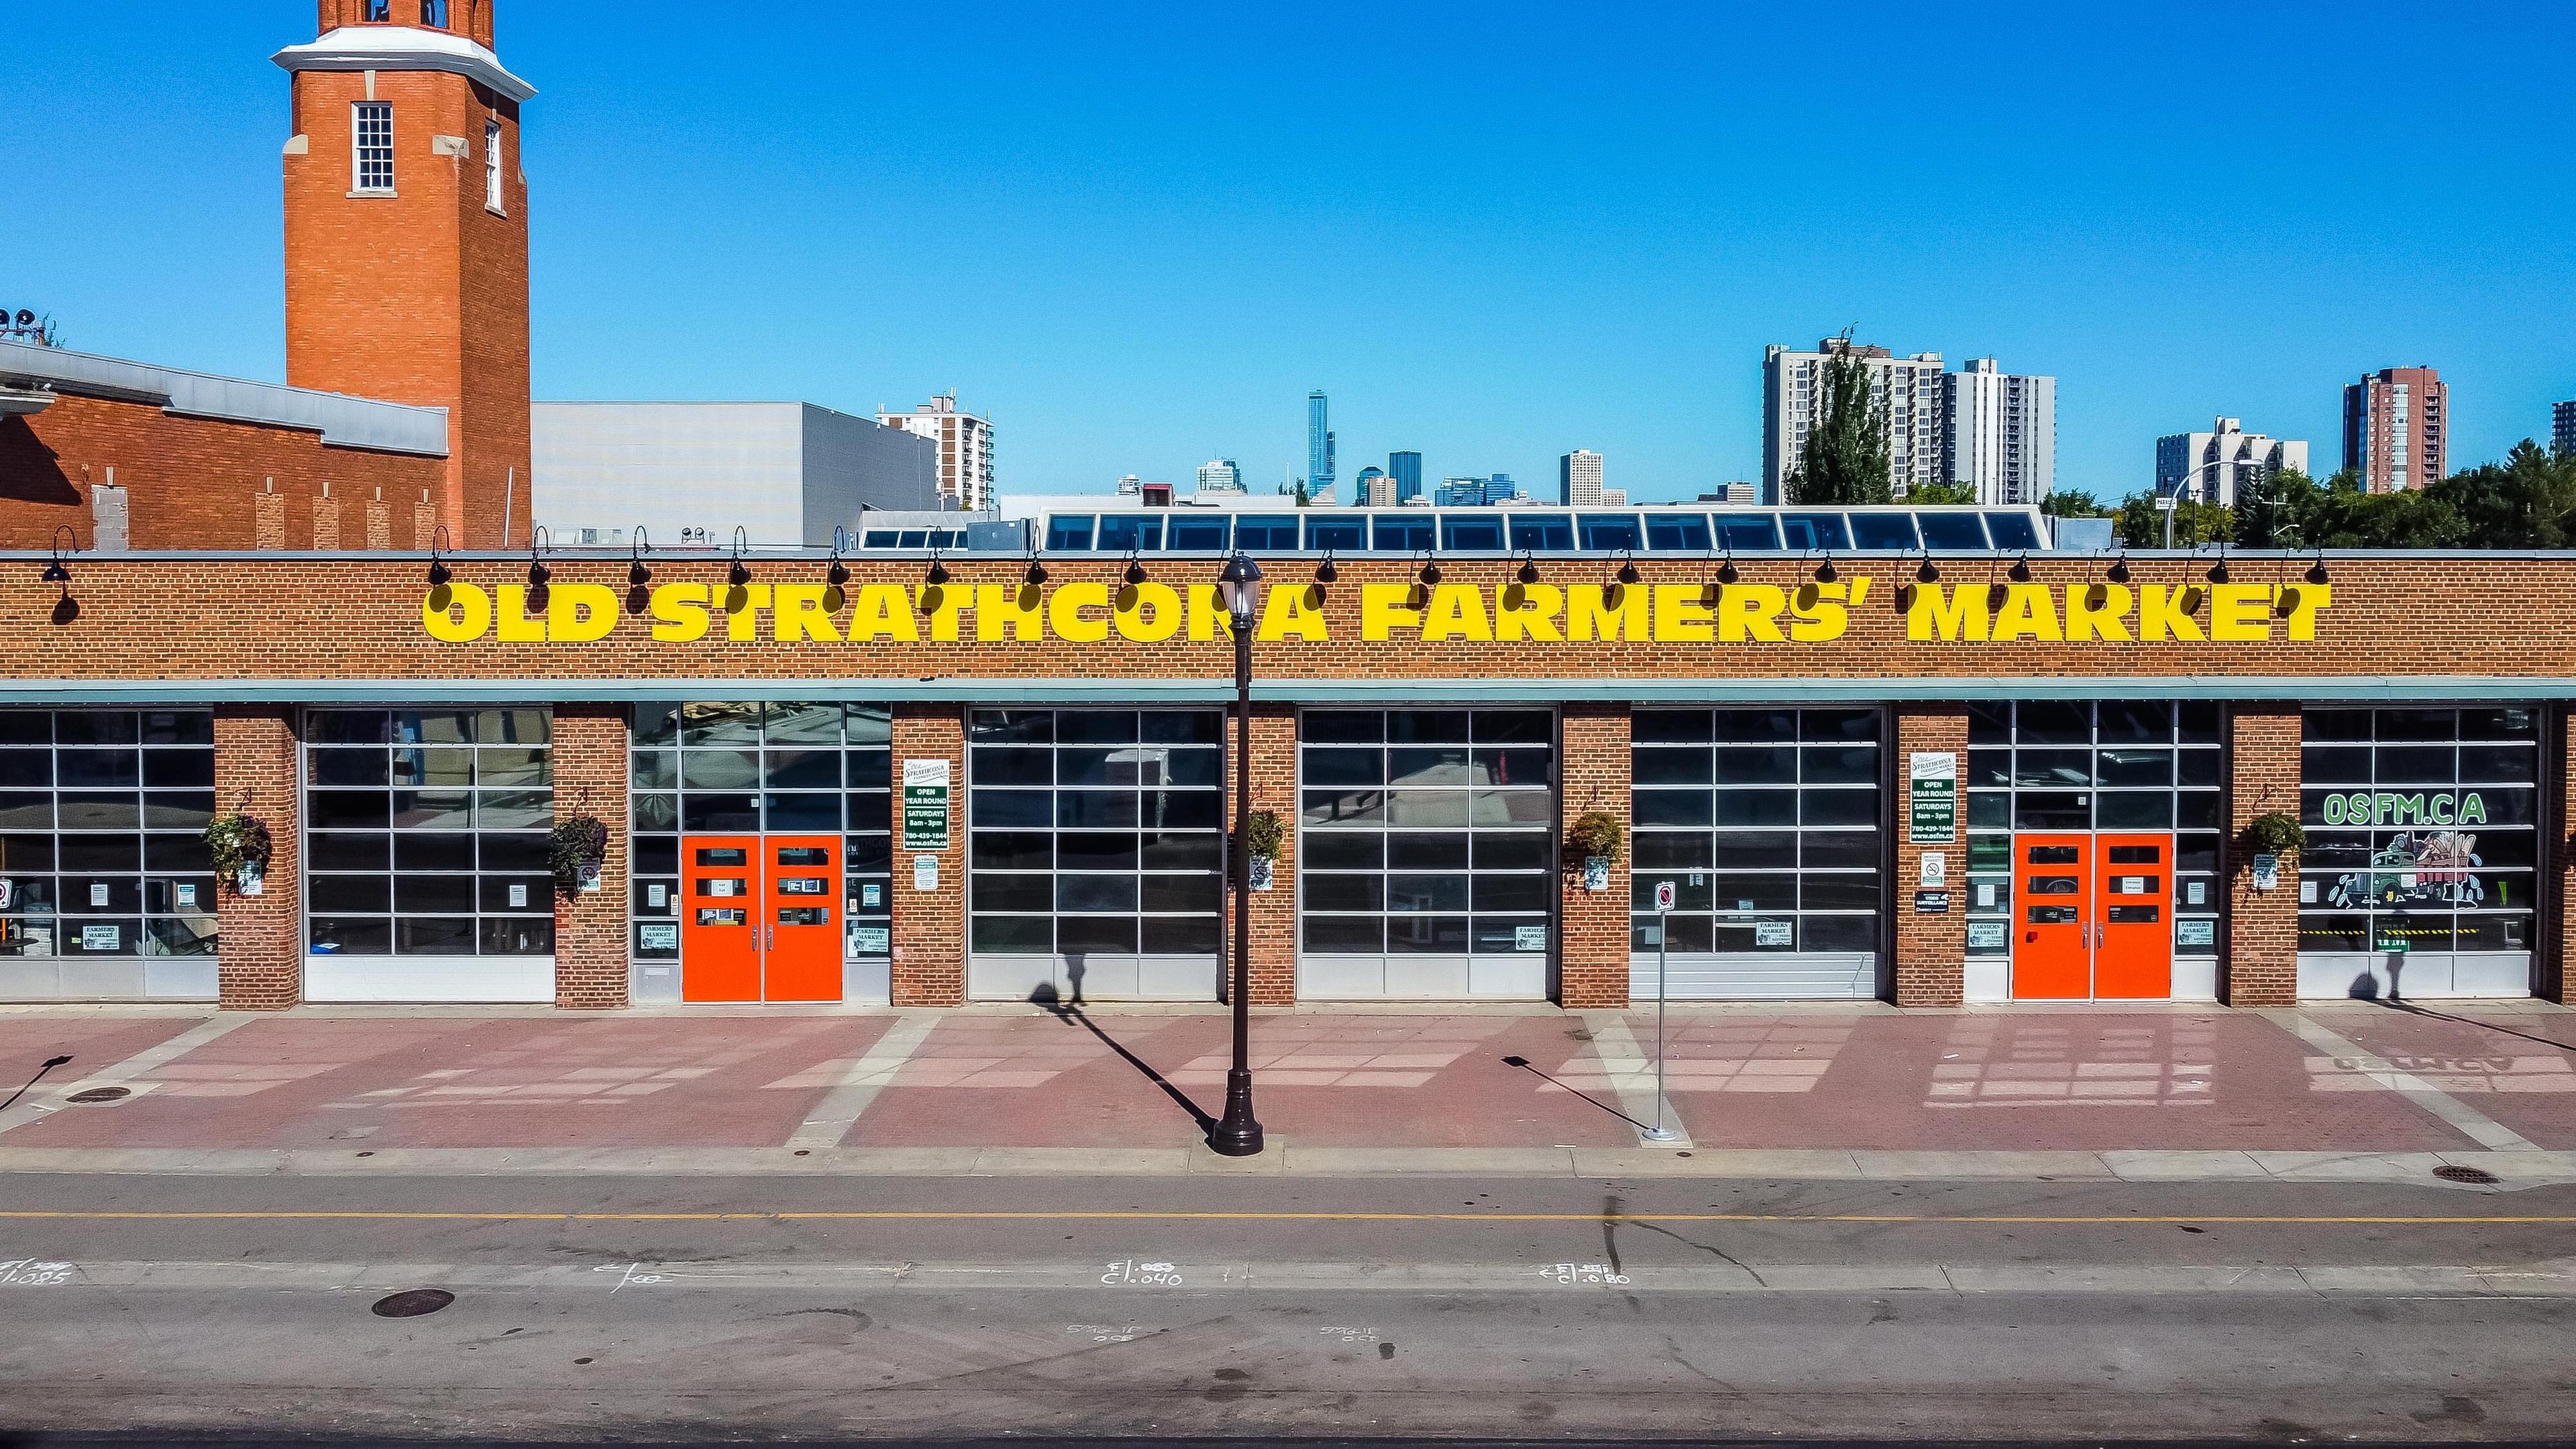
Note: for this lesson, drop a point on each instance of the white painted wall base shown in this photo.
(2195, 978)
(1988, 978)
(430, 978)
(2428, 975)
(1520, 976)
(1759, 976)
(1092, 978)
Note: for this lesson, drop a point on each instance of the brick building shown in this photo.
(1929, 774)
(406, 409)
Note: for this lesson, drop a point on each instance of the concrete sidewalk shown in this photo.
(1863, 1091)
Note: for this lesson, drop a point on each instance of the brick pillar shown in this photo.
(259, 961)
(1274, 911)
(590, 928)
(2558, 844)
(380, 523)
(2259, 965)
(1931, 951)
(268, 518)
(326, 521)
(1592, 926)
(929, 964)
(424, 523)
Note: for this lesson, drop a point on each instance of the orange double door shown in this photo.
(759, 918)
(2095, 917)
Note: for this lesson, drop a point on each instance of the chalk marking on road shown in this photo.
(2374, 1280)
(427, 1215)
(632, 1276)
(122, 1073)
(34, 1273)
(834, 1115)
(2351, 1056)
(1632, 1076)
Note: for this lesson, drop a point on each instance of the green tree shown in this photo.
(1936, 493)
(1847, 455)
(2274, 510)
(2142, 524)
(2072, 503)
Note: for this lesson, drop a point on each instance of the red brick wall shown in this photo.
(1931, 951)
(590, 763)
(2260, 964)
(260, 963)
(420, 296)
(1274, 911)
(1592, 926)
(929, 964)
(2391, 617)
(189, 482)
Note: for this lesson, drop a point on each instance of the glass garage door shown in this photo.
(2423, 851)
(1426, 853)
(106, 891)
(1095, 854)
(1766, 821)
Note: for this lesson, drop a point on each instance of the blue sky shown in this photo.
(1137, 236)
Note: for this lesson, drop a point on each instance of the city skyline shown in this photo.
(1485, 328)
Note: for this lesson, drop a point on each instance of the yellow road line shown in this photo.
(1144, 1215)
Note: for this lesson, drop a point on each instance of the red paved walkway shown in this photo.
(1858, 1078)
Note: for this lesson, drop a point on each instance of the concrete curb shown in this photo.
(2511, 1169)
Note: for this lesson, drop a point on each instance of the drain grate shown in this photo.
(101, 1094)
(2477, 1175)
(413, 1302)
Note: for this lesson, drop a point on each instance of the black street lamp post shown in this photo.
(1239, 1134)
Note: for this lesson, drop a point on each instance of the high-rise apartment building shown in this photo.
(1319, 443)
(2397, 428)
(1999, 432)
(1406, 470)
(1220, 475)
(1373, 488)
(965, 449)
(2562, 428)
(1980, 427)
(2209, 467)
(1578, 479)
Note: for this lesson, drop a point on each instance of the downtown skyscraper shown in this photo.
(1319, 442)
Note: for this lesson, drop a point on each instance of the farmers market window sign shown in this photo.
(1151, 613)
(2364, 807)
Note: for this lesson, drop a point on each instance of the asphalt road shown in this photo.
(1505, 1309)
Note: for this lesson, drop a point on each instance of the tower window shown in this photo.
(373, 146)
(376, 10)
(434, 12)
(492, 165)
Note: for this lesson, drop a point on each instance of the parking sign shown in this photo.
(1663, 896)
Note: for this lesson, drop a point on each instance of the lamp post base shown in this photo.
(1239, 1134)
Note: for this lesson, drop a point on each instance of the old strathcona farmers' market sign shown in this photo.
(1092, 613)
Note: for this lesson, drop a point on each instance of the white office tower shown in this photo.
(1999, 433)
(1908, 390)
(2210, 467)
(1220, 475)
(1578, 479)
(965, 449)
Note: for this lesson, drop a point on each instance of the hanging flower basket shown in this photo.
(579, 848)
(1595, 838)
(239, 846)
(1263, 835)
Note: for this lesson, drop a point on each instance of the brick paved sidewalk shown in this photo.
(2358, 1078)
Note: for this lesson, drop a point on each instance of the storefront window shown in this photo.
(1427, 832)
(2422, 830)
(1096, 831)
(427, 832)
(102, 833)
(713, 768)
(2113, 767)
(1766, 821)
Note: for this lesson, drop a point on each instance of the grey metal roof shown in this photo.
(342, 420)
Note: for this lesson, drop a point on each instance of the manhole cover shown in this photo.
(101, 1094)
(413, 1302)
(2478, 1175)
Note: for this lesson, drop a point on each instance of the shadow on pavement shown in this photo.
(2411, 1009)
(1070, 1010)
